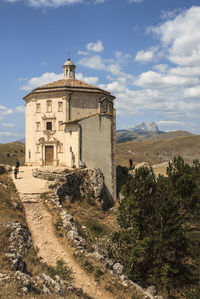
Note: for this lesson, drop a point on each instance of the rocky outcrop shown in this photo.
(83, 183)
(20, 242)
(40, 284)
(20, 236)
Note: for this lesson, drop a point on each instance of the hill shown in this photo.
(128, 135)
(160, 149)
(10, 152)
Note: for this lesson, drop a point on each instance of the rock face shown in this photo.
(82, 183)
(145, 126)
(20, 236)
(20, 242)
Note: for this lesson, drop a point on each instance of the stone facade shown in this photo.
(71, 123)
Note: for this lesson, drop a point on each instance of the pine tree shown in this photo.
(160, 236)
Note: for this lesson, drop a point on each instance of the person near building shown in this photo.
(15, 172)
(17, 165)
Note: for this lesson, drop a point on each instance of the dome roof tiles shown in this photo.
(68, 85)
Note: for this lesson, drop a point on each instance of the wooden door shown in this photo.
(48, 155)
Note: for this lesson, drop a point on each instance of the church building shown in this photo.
(71, 123)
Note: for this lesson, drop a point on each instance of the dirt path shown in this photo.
(39, 221)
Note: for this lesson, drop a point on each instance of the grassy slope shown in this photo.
(159, 150)
(15, 151)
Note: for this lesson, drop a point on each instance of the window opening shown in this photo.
(49, 125)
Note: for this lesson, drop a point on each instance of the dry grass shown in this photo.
(155, 151)
(10, 152)
(10, 204)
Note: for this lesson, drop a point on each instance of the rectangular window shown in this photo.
(49, 125)
(38, 108)
(60, 127)
(60, 106)
(38, 127)
(49, 106)
(29, 155)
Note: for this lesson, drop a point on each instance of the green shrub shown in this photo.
(61, 269)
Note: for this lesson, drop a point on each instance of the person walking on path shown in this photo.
(17, 164)
(15, 172)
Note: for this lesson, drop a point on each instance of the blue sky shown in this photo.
(145, 52)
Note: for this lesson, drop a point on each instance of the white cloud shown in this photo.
(170, 14)
(8, 134)
(169, 122)
(192, 92)
(93, 62)
(8, 125)
(89, 80)
(99, 1)
(156, 80)
(84, 53)
(134, 1)
(42, 80)
(47, 3)
(180, 37)
(19, 109)
(145, 56)
(162, 68)
(5, 111)
(95, 47)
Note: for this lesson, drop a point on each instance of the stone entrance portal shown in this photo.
(48, 155)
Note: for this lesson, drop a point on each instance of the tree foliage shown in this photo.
(159, 218)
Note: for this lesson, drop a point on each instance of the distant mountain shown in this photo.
(145, 126)
(143, 130)
(146, 130)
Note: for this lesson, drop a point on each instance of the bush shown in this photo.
(60, 269)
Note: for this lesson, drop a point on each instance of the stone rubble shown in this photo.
(40, 284)
(20, 242)
(20, 236)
